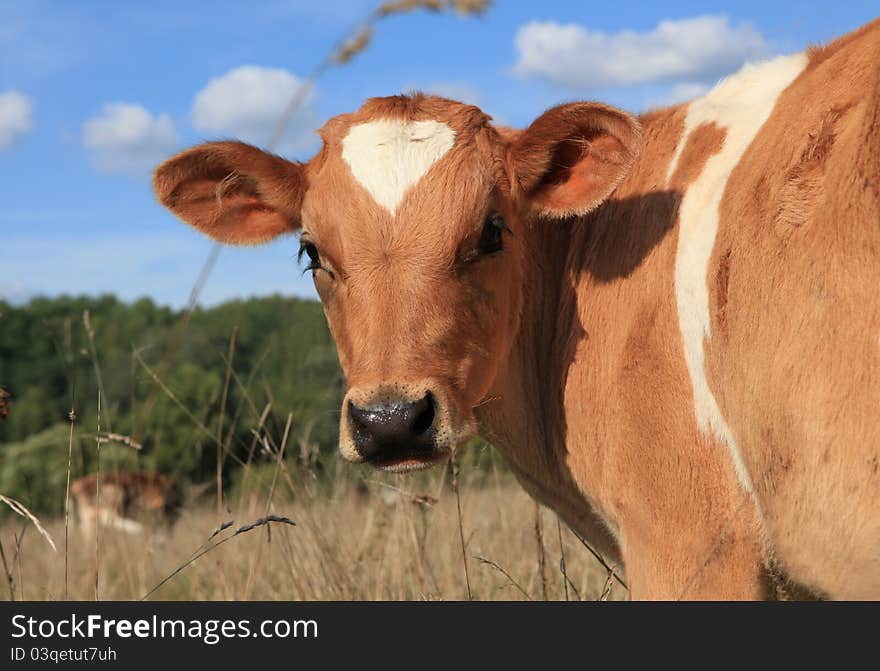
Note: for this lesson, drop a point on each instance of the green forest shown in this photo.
(178, 384)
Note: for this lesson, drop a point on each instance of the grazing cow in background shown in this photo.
(669, 325)
(4, 403)
(129, 502)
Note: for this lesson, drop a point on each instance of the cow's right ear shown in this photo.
(233, 192)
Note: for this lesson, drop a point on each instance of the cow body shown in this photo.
(688, 372)
(128, 502)
(715, 340)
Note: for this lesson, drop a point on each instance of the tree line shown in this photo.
(176, 385)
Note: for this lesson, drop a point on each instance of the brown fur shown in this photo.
(566, 351)
(703, 142)
(798, 373)
(126, 501)
(232, 182)
(4, 403)
(567, 167)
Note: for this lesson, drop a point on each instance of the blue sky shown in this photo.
(94, 94)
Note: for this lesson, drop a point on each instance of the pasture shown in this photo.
(245, 369)
(386, 538)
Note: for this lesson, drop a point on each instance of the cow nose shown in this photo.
(390, 431)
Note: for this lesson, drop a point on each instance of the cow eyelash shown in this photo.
(309, 249)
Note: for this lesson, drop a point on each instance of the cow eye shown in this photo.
(492, 237)
(308, 249)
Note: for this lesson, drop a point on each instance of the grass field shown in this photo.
(387, 538)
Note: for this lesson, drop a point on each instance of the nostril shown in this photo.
(358, 416)
(425, 419)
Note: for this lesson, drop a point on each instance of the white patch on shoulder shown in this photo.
(741, 105)
(388, 156)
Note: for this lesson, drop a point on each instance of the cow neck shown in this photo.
(524, 415)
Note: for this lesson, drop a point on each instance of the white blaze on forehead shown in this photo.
(388, 156)
(741, 105)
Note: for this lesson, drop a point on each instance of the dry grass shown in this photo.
(385, 541)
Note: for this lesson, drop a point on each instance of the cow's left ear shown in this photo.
(233, 192)
(572, 157)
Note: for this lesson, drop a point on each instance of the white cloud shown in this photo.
(247, 102)
(127, 138)
(698, 49)
(15, 117)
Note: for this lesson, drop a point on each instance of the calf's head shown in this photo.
(412, 219)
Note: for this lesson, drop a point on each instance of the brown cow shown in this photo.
(669, 325)
(129, 502)
(4, 403)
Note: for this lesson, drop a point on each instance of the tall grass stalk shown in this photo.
(542, 557)
(220, 457)
(467, 577)
(72, 419)
(98, 499)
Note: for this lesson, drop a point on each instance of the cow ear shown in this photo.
(233, 192)
(572, 157)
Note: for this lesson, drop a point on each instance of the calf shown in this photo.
(129, 502)
(667, 324)
(4, 403)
